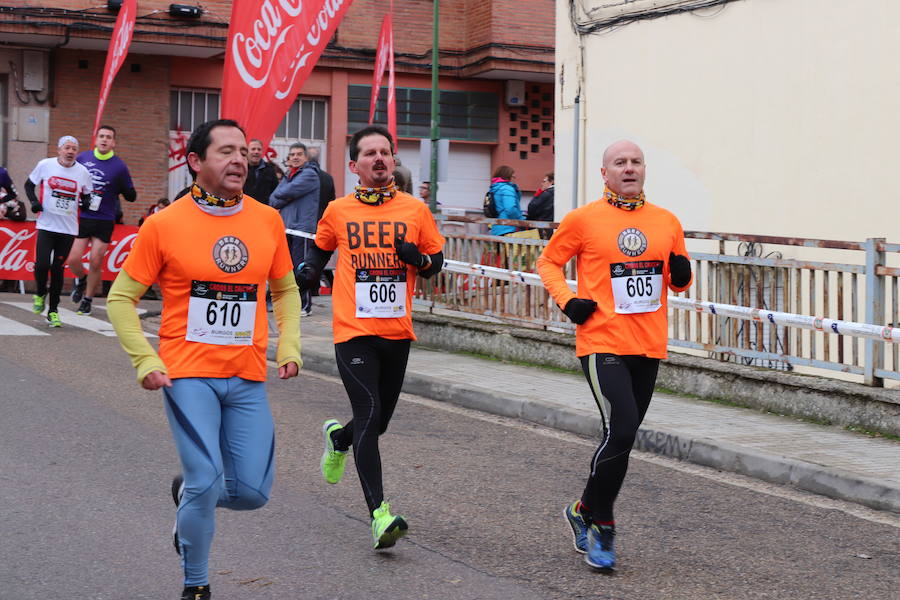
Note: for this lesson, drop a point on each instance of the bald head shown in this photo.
(623, 168)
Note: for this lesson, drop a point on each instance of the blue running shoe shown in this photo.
(601, 554)
(579, 527)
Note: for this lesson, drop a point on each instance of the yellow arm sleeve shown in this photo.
(120, 306)
(286, 303)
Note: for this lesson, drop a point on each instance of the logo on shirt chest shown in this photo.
(632, 242)
(230, 254)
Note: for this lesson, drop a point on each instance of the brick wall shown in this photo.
(138, 107)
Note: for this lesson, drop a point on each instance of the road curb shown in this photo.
(773, 468)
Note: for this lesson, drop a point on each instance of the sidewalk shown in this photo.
(820, 459)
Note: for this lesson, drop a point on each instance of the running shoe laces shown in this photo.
(37, 304)
(387, 528)
(601, 553)
(579, 527)
(333, 461)
(53, 320)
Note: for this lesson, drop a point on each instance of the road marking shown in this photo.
(11, 327)
(71, 318)
(733, 479)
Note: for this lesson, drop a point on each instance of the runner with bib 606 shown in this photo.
(629, 253)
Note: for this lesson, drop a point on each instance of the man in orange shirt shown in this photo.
(629, 252)
(384, 238)
(212, 254)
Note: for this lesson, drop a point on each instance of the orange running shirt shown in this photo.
(623, 265)
(370, 277)
(213, 270)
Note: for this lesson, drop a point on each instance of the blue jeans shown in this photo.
(225, 438)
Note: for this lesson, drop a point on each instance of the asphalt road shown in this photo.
(85, 512)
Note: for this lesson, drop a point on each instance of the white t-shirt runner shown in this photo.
(59, 191)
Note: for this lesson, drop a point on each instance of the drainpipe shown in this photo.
(576, 160)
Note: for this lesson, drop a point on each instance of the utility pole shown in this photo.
(435, 125)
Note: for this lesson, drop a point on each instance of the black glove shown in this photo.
(36, 206)
(85, 201)
(409, 252)
(579, 309)
(679, 270)
(307, 278)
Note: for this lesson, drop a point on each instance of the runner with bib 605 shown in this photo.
(629, 253)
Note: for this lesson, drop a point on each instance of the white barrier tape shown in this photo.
(309, 236)
(456, 266)
(864, 330)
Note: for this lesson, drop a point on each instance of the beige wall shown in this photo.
(765, 117)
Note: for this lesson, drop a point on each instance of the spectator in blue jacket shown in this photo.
(297, 199)
(507, 198)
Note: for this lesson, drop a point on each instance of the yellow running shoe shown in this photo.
(333, 461)
(387, 528)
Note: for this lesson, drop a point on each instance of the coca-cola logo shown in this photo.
(256, 49)
(61, 183)
(14, 255)
(17, 251)
(116, 253)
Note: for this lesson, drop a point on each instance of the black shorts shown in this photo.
(95, 228)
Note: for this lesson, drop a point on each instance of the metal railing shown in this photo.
(856, 286)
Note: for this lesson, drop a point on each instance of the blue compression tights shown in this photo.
(225, 438)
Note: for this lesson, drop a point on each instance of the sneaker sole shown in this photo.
(396, 530)
(598, 568)
(574, 533)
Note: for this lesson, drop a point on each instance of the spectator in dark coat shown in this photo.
(541, 206)
(326, 181)
(261, 180)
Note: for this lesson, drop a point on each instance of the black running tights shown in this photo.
(622, 387)
(372, 369)
(51, 251)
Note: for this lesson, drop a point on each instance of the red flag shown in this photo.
(115, 56)
(272, 48)
(384, 59)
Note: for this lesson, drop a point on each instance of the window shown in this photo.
(189, 108)
(305, 120)
(463, 115)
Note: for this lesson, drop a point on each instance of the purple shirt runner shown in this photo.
(111, 178)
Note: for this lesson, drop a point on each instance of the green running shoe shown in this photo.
(37, 304)
(53, 320)
(333, 461)
(387, 528)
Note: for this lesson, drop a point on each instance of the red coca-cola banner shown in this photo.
(384, 59)
(272, 48)
(115, 56)
(17, 250)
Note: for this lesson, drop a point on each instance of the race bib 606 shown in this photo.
(380, 293)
